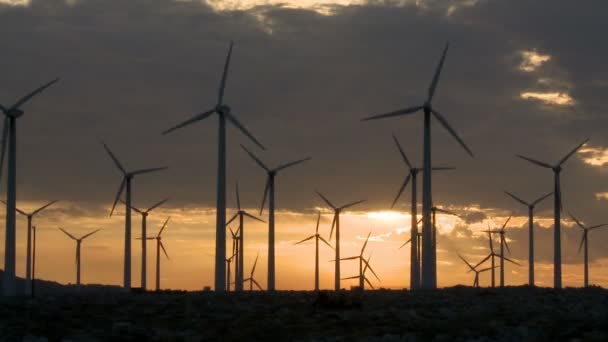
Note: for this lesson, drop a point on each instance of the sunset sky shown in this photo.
(521, 77)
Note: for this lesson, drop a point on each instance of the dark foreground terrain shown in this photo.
(453, 314)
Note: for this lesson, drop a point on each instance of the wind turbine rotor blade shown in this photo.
(482, 261)
(333, 224)
(576, 221)
(68, 234)
(433, 85)
(486, 269)
(371, 269)
(405, 243)
(369, 283)
(365, 243)
(253, 217)
(572, 152)
(308, 238)
(232, 219)
(27, 97)
(511, 261)
(399, 112)
(445, 211)
(506, 222)
(351, 204)
(4, 138)
(447, 126)
(318, 221)
(326, 200)
(197, 117)
(162, 246)
(534, 161)
(266, 190)
(157, 205)
(542, 198)
(348, 278)
(257, 284)
(580, 246)
(407, 161)
(256, 159)
(118, 164)
(351, 258)
(16, 209)
(403, 185)
(598, 226)
(254, 265)
(466, 262)
(118, 194)
(238, 197)
(220, 98)
(507, 245)
(132, 207)
(327, 243)
(442, 168)
(232, 233)
(91, 233)
(516, 198)
(242, 128)
(164, 226)
(142, 171)
(293, 163)
(44, 207)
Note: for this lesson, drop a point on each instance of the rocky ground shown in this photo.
(453, 314)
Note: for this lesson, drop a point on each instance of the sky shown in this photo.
(520, 77)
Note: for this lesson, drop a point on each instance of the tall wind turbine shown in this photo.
(224, 113)
(362, 261)
(585, 241)
(336, 223)
(9, 132)
(241, 214)
(557, 247)
(28, 257)
(474, 269)
(144, 237)
(159, 246)
(317, 237)
(428, 269)
(415, 247)
(252, 280)
(269, 192)
(78, 242)
(126, 183)
(530, 231)
(503, 244)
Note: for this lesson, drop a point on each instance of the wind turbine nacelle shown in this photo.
(223, 109)
(15, 113)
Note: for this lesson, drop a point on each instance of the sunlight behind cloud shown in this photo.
(594, 156)
(532, 60)
(15, 2)
(550, 98)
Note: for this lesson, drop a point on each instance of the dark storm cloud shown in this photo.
(301, 81)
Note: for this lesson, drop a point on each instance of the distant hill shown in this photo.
(46, 287)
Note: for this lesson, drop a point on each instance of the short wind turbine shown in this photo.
(585, 242)
(159, 246)
(557, 247)
(224, 113)
(362, 261)
(491, 256)
(269, 192)
(252, 280)
(336, 223)
(317, 237)
(9, 135)
(429, 278)
(126, 183)
(362, 278)
(531, 207)
(78, 243)
(503, 244)
(234, 257)
(474, 269)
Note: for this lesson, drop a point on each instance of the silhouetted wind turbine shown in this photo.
(557, 254)
(251, 280)
(78, 242)
(159, 246)
(362, 278)
(269, 191)
(9, 132)
(412, 174)
(530, 232)
(503, 244)
(474, 269)
(235, 255)
(428, 269)
(224, 112)
(361, 262)
(492, 255)
(144, 235)
(433, 253)
(241, 259)
(585, 242)
(28, 257)
(317, 237)
(126, 183)
(336, 223)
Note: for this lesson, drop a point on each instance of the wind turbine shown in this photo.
(474, 269)
(530, 231)
(429, 278)
(241, 259)
(336, 223)
(28, 257)
(317, 237)
(78, 242)
(492, 255)
(126, 183)
(33, 261)
(144, 217)
(269, 192)
(251, 280)
(585, 241)
(159, 246)
(362, 278)
(235, 255)
(9, 132)
(362, 261)
(224, 112)
(557, 248)
(412, 174)
(503, 244)
(433, 253)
